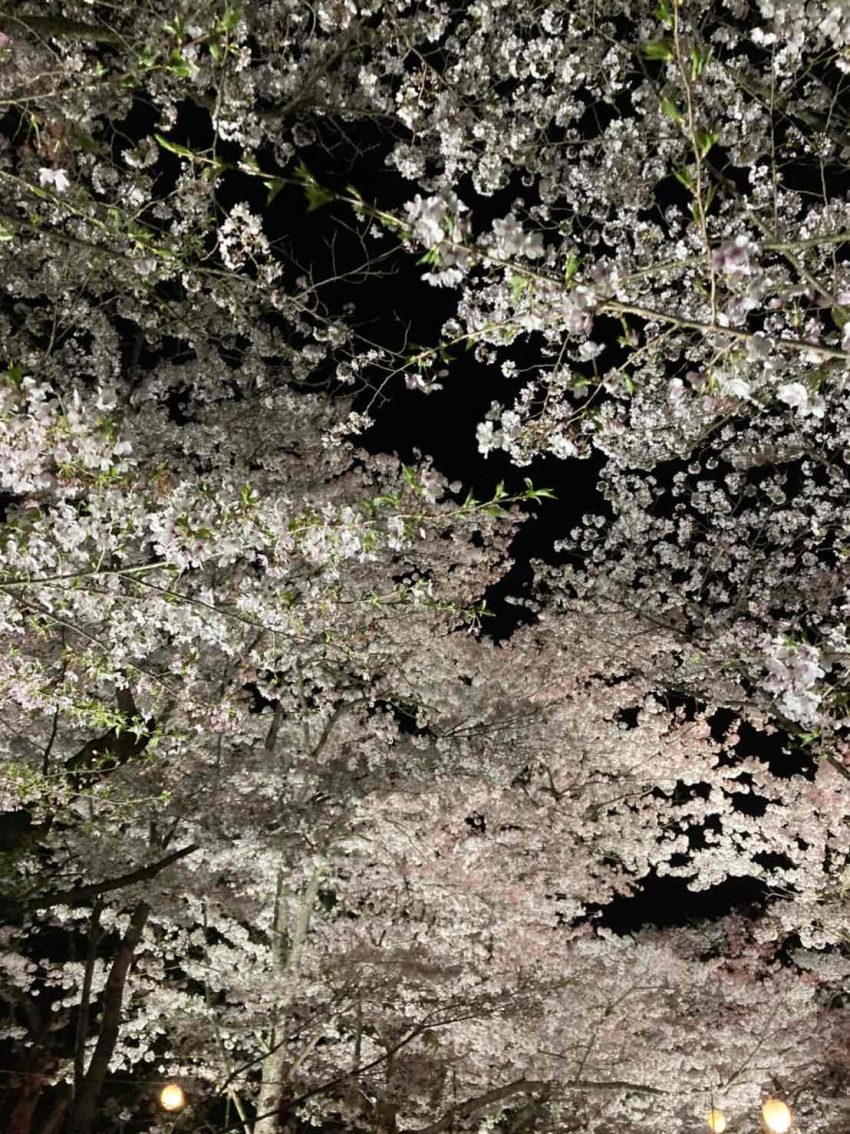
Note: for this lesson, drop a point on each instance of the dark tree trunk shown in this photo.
(84, 1108)
(59, 1103)
(21, 1116)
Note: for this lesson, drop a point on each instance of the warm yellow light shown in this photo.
(777, 1116)
(716, 1120)
(171, 1097)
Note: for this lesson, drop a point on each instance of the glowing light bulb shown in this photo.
(777, 1116)
(171, 1097)
(716, 1120)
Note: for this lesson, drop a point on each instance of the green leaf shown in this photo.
(274, 186)
(175, 28)
(173, 147)
(177, 65)
(147, 58)
(14, 374)
(230, 19)
(317, 196)
(704, 140)
(518, 286)
(218, 167)
(657, 49)
(663, 13)
(669, 108)
(699, 62)
(683, 175)
(532, 493)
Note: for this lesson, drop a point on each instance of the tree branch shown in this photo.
(67, 29)
(79, 894)
(519, 1086)
(527, 1086)
(839, 767)
(613, 1085)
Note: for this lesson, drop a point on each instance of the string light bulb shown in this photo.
(716, 1120)
(777, 1116)
(171, 1097)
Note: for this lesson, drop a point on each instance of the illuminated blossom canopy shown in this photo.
(423, 566)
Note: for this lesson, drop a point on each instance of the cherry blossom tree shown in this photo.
(279, 819)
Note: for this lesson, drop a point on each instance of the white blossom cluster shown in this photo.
(794, 671)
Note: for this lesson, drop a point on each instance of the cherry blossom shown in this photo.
(281, 821)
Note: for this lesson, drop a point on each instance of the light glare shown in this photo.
(716, 1120)
(171, 1097)
(777, 1116)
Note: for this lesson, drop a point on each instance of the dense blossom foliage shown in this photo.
(278, 818)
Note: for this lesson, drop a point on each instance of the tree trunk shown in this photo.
(61, 1098)
(19, 1121)
(84, 1108)
(287, 950)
